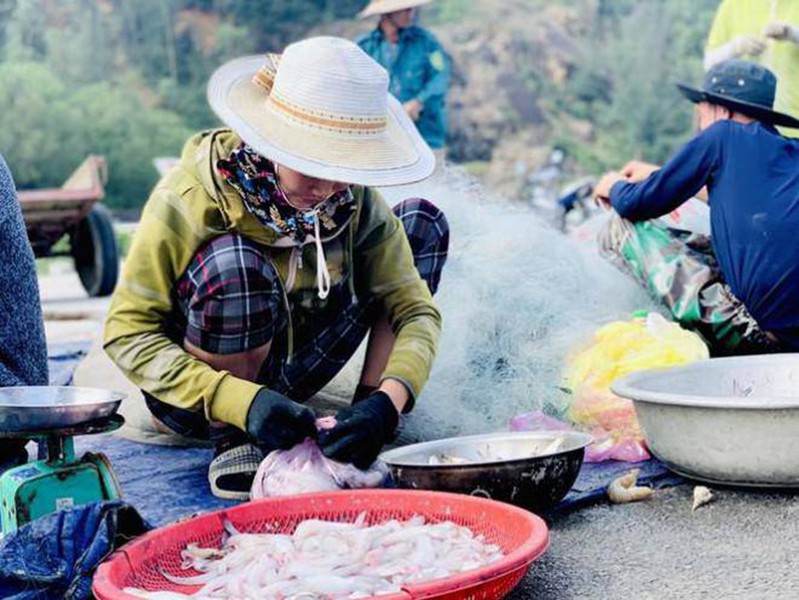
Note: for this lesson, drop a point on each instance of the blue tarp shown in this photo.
(54, 557)
(594, 478)
(63, 358)
(163, 483)
(167, 483)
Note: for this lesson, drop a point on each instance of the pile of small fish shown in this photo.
(486, 453)
(324, 560)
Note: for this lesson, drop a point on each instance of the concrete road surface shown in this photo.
(743, 544)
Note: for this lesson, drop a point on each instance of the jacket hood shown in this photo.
(199, 157)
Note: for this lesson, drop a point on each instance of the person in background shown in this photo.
(766, 32)
(417, 65)
(23, 349)
(751, 173)
(265, 256)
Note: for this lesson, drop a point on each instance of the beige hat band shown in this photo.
(326, 121)
(265, 78)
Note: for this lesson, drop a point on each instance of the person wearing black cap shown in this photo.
(751, 173)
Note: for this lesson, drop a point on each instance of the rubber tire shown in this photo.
(95, 252)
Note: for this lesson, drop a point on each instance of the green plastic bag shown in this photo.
(679, 268)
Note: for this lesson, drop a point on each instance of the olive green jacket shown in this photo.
(193, 204)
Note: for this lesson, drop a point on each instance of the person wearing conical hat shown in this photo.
(766, 32)
(266, 255)
(749, 302)
(418, 67)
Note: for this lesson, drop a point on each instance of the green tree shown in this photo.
(37, 141)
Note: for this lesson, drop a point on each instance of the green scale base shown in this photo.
(57, 481)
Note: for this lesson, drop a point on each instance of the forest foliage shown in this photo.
(126, 78)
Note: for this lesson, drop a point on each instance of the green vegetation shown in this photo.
(126, 78)
(631, 59)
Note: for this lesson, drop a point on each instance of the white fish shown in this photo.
(328, 560)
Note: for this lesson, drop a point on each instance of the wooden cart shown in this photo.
(73, 210)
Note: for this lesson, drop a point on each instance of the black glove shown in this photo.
(277, 422)
(361, 430)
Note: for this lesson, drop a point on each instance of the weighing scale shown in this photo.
(58, 480)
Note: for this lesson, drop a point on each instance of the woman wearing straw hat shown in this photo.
(417, 66)
(263, 259)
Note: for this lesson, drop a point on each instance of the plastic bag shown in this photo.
(305, 469)
(679, 268)
(537, 421)
(603, 448)
(617, 349)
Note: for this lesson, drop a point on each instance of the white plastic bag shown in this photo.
(305, 469)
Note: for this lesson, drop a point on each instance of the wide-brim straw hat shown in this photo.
(383, 7)
(322, 108)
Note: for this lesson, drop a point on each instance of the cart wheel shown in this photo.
(94, 248)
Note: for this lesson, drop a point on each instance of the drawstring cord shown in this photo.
(322, 272)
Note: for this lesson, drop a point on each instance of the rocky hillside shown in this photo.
(592, 76)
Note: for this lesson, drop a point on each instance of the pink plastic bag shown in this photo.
(604, 447)
(305, 469)
(537, 421)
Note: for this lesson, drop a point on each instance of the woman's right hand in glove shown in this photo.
(276, 422)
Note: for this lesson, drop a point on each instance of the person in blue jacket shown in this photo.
(23, 350)
(416, 63)
(751, 174)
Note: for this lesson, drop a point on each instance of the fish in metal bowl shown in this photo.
(533, 470)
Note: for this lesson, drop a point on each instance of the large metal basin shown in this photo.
(724, 420)
(30, 409)
(522, 468)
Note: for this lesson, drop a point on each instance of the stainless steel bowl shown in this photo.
(25, 409)
(723, 420)
(524, 468)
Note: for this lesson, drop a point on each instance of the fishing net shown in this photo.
(516, 296)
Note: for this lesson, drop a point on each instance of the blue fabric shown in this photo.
(419, 70)
(164, 483)
(63, 359)
(54, 557)
(752, 175)
(594, 479)
(23, 351)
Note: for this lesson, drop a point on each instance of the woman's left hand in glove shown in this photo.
(361, 430)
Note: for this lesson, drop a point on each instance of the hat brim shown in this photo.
(755, 111)
(372, 11)
(397, 156)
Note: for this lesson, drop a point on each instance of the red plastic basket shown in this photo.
(522, 536)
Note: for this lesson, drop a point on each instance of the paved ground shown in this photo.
(69, 313)
(742, 545)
